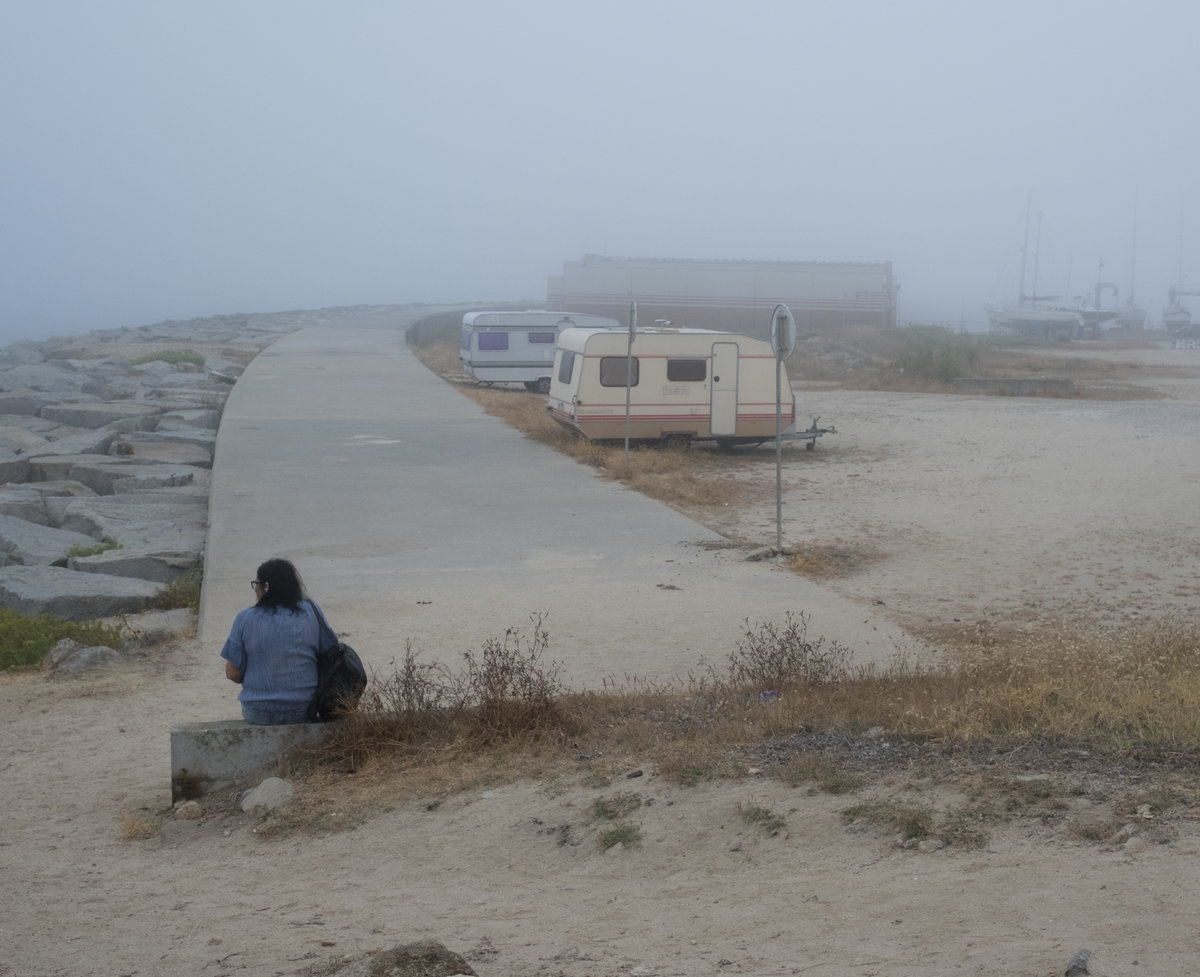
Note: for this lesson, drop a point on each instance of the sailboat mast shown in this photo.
(1133, 259)
(1024, 251)
(1037, 248)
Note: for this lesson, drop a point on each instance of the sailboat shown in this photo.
(1177, 316)
(1094, 315)
(1132, 316)
(1027, 317)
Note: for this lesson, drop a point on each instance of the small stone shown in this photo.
(188, 811)
(60, 653)
(1078, 964)
(267, 796)
(1123, 834)
(86, 659)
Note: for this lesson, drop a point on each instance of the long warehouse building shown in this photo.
(738, 296)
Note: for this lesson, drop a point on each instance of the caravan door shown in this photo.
(723, 390)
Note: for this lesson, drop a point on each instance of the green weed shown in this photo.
(183, 591)
(629, 835)
(758, 816)
(615, 806)
(25, 639)
(94, 550)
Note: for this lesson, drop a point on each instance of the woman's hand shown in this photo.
(232, 673)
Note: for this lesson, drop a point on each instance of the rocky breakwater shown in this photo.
(106, 452)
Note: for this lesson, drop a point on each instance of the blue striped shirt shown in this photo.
(275, 649)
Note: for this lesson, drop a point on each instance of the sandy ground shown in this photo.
(950, 512)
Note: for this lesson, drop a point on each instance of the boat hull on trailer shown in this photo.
(1177, 317)
(1131, 317)
(1095, 318)
(1030, 320)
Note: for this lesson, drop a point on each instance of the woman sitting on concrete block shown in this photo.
(272, 648)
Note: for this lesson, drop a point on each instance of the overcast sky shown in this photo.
(161, 160)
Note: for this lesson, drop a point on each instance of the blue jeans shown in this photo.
(260, 716)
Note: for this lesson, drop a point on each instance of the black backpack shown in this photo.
(341, 677)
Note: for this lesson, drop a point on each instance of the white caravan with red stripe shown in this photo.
(686, 385)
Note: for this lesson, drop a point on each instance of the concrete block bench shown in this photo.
(208, 756)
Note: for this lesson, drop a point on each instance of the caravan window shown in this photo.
(612, 371)
(543, 337)
(565, 366)
(686, 371)
(493, 340)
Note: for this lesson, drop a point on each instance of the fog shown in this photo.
(166, 161)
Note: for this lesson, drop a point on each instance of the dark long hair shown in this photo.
(284, 586)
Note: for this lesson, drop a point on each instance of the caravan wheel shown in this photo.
(677, 442)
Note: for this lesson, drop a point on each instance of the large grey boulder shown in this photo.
(28, 500)
(102, 414)
(85, 443)
(13, 467)
(55, 467)
(199, 437)
(160, 564)
(132, 521)
(19, 435)
(23, 402)
(20, 352)
(189, 420)
(35, 426)
(54, 496)
(108, 474)
(105, 390)
(143, 478)
(143, 452)
(72, 596)
(42, 378)
(160, 540)
(31, 544)
(24, 502)
(177, 381)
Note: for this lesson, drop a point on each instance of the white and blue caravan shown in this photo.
(518, 347)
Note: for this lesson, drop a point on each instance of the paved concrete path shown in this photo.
(415, 517)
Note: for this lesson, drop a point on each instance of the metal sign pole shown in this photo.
(629, 376)
(783, 341)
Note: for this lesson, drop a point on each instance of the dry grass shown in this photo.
(1115, 713)
(140, 829)
(829, 561)
(927, 360)
(761, 817)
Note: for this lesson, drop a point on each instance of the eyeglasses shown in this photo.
(256, 585)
